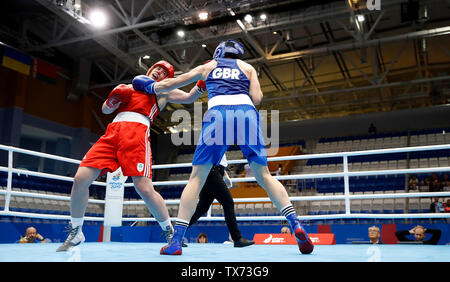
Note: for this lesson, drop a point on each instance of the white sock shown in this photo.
(76, 221)
(165, 223)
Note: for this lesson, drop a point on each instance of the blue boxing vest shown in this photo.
(227, 79)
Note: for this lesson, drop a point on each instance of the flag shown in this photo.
(44, 71)
(16, 60)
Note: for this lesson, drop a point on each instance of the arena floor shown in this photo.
(149, 252)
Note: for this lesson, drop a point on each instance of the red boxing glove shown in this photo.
(201, 86)
(121, 93)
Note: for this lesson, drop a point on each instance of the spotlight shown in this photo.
(203, 16)
(263, 17)
(248, 18)
(98, 18)
(181, 33)
(204, 45)
(360, 18)
(146, 57)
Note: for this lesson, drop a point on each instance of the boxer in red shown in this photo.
(126, 144)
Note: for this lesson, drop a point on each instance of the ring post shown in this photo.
(113, 202)
(346, 185)
(9, 183)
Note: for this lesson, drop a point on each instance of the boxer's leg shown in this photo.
(252, 145)
(154, 202)
(80, 190)
(277, 193)
(188, 203)
(78, 202)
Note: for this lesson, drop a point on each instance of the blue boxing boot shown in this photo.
(304, 243)
(175, 247)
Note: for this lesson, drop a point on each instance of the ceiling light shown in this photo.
(77, 4)
(180, 33)
(231, 12)
(248, 18)
(360, 18)
(97, 18)
(240, 24)
(204, 45)
(263, 17)
(146, 57)
(203, 16)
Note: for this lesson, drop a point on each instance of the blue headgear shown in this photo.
(229, 46)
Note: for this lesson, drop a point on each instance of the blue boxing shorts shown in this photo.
(225, 125)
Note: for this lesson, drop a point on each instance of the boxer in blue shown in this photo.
(233, 91)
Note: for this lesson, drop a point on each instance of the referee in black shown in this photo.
(216, 187)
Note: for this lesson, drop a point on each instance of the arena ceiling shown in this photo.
(315, 58)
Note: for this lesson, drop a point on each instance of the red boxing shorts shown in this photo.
(125, 144)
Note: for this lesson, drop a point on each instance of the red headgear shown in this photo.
(165, 65)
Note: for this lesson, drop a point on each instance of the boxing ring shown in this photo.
(121, 251)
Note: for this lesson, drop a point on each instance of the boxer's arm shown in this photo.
(178, 97)
(181, 97)
(255, 88)
(119, 95)
(170, 84)
(108, 110)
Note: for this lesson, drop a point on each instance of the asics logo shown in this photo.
(226, 73)
(270, 239)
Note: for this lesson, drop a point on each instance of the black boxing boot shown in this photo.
(242, 242)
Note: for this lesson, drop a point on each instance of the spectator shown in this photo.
(374, 235)
(447, 206)
(436, 206)
(419, 233)
(435, 184)
(285, 230)
(202, 238)
(31, 236)
(413, 183)
(426, 181)
(372, 129)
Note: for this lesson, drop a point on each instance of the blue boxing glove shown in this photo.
(144, 83)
